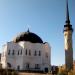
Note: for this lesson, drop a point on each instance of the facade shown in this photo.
(68, 30)
(26, 52)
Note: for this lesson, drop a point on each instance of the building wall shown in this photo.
(23, 54)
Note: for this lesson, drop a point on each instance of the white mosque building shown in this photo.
(26, 51)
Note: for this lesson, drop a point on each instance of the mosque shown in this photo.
(26, 51)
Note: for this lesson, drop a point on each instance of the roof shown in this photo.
(28, 36)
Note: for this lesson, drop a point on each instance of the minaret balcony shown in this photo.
(68, 28)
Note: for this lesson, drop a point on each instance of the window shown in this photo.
(29, 52)
(18, 52)
(27, 66)
(13, 52)
(21, 52)
(37, 66)
(35, 53)
(18, 67)
(39, 53)
(8, 52)
(26, 52)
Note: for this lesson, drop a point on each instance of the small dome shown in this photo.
(28, 36)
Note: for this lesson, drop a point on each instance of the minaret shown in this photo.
(68, 30)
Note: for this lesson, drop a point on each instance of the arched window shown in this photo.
(13, 52)
(27, 65)
(8, 52)
(37, 66)
(18, 52)
(26, 52)
(21, 52)
(39, 53)
(18, 67)
(35, 53)
(29, 52)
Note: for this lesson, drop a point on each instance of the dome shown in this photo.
(28, 36)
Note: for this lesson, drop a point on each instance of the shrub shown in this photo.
(7, 72)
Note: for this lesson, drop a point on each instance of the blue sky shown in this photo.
(46, 18)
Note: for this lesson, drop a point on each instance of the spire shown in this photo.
(67, 26)
(28, 30)
(67, 13)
